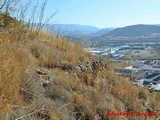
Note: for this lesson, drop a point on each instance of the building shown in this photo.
(151, 78)
(138, 48)
(149, 68)
(130, 72)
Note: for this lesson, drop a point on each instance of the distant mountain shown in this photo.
(134, 31)
(128, 34)
(103, 31)
(72, 29)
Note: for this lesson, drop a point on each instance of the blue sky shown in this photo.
(104, 13)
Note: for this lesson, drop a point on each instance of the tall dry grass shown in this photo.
(72, 95)
(15, 61)
(69, 95)
(20, 87)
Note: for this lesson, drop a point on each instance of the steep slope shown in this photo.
(48, 78)
(134, 31)
(6, 20)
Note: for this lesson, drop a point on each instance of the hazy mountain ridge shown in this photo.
(128, 34)
(71, 29)
(102, 31)
(87, 31)
(96, 36)
(134, 31)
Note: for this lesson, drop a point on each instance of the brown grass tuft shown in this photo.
(15, 61)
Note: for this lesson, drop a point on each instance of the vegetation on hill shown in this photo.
(43, 76)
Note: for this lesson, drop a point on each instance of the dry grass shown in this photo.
(15, 61)
(69, 95)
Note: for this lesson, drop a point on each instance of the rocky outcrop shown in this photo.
(45, 79)
(90, 66)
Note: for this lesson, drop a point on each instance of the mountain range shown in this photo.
(134, 31)
(102, 31)
(129, 34)
(99, 37)
(71, 29)
(91, 31)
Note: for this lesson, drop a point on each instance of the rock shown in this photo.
(78, 69)
(64, 66)
(44, 77)
(45, 83)
(83, 68)
(95, 65)
(41, 71)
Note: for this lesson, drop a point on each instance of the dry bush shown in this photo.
(71, 52)
(12, 29)
(56, 52)
(15, 61)
(142, 95)
(88, 78)
(46, 55)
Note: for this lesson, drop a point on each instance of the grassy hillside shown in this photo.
(44, 77)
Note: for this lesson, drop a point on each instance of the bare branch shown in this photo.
(3, 4)
(65, 105)
(30, 113)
